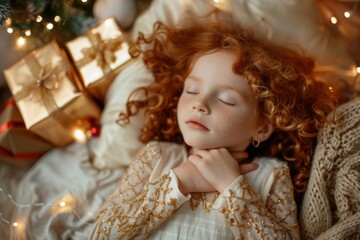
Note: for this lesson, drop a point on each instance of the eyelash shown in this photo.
(226, 103)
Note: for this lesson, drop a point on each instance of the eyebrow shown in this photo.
(223, 86)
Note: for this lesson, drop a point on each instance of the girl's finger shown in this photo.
(194, 157)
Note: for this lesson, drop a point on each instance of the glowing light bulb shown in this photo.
(49, 26)
(108, 22)
(15, 224)
(333, 20)
(28, 32)
(84, 1)
(21, 41)
(38, 18)
(216, 1)
(358, 69)
(79, 135)
(10, 30)
(57, 18)
(8, 22)
(62, 204)
(347, 14)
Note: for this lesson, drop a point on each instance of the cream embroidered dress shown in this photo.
(147, 203)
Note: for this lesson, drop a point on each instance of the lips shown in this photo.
(196, 124)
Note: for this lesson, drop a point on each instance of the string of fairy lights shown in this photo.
(64, 205)
(331, 17)
(35, 30)
(338, 20)
(67, 202)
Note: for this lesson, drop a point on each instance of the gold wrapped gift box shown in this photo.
(18, 146)
(98, 56)
(48, 95)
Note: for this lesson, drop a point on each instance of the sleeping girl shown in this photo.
(230, 126)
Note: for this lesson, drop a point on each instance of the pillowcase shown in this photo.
(295, 24)
(117, 146)
(290, 23)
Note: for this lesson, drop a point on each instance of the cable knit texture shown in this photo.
(331, 206)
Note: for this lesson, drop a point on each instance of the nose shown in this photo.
(200, 107)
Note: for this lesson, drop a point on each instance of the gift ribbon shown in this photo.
(9, 103)
(41, 84)
(21, 156)
(6, 125)
(101, 50)
(12, 124)
(43, 81)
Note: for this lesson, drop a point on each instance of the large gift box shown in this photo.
(99, 55)
(48, 95)
(18, 146)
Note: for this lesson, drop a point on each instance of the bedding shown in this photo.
(59, 196)
(65, 192)
(270, 19)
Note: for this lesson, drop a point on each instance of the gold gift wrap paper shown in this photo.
(99, 55)
(47, 94)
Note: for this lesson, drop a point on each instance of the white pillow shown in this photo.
(291, 23)
(116, 145)
(286, 22)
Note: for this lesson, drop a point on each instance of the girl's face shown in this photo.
(217, 108)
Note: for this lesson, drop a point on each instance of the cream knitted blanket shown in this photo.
(331, 205)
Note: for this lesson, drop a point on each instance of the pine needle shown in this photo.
(5, 10)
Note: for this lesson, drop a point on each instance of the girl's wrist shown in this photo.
(181, 173)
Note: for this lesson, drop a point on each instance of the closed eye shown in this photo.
(226, 103)
(191, 92)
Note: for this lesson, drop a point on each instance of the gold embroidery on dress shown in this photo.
(194, 203)
(132, 212)
(249, 218)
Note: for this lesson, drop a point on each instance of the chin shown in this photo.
(195, 143)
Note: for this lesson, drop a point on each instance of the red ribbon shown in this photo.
(21, 156)
(9, 103)
(12, 124)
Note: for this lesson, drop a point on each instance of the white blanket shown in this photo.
(63, 176)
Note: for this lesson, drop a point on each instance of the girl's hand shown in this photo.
(220, 167)
(191, 180)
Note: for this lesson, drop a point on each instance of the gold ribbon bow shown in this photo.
(42, 82)
(103, 51)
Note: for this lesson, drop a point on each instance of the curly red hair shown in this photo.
(283, 82)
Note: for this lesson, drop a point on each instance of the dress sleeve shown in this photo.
(139, 206)
(250, 218)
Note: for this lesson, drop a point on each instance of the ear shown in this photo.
(264, 132)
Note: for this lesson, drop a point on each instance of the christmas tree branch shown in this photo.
(5, 10)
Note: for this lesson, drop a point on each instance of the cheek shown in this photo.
(182, 106)
(233, 122)
(183, 103)
(229, 120)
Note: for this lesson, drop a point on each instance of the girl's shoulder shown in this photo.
(263, 177)
(270, 163)
(168, 154)
(165, 147)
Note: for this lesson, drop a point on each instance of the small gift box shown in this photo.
(98, 56)
(18, 146)
(46, 92)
